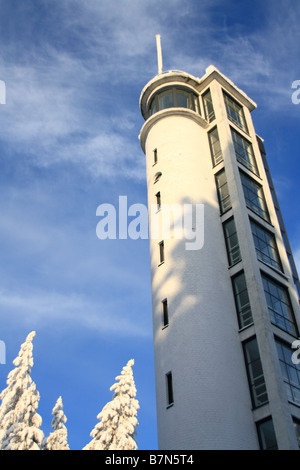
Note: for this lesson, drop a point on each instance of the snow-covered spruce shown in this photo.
(58, 439)
(118, 419)
(20, 422)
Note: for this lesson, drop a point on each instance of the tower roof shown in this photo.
(182, 78)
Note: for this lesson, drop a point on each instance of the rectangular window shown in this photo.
(244, 152)
(297, 430)
(170, 395)
(279, 305)
(266, 435)
(235, 112)
(165, 313)
(158, 200)
(290, 371)
(154, 156)
(208, 107)
(215, 147)
(265, 245)
(242, 300)
(254, 197)
(255, 373)
(223, 193)
(232, 243)
(161, 252)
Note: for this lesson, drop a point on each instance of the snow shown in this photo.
(118, 419)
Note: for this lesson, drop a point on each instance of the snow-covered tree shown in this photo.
(118, 419)
(20, 423)
(58, 439)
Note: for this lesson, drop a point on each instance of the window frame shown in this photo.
(229, 248)
(209, 115)
(174, 91)
(247, 149)
(219, 193)
(286, 317)
(165, 313)
(245, 309)
(286, 364)
(272, 259)
(250, 374)
(259, 424)
(231, 103)
(260, 209)
(169, 389)
(161, 246)
(215, 156)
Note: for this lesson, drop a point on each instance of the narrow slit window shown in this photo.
(165, 313)
(161, 252)
(154, 156)
(170, 394)
(158, 200)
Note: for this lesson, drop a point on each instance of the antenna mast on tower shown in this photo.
(159, 54)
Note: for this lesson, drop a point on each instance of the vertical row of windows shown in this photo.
(277, 296)
(279, 217)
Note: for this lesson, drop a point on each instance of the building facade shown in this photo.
(225, 315)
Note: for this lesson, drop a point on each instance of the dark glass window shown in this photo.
(223, 192)
(165, 313)
(242, 300)
(158, 200)
(255, 373)
(279, 305)
(161, 252)
(170, 394)
(215, 147)
(232, 243)
(265, 245)
(290, 371)
(266, 435)
(297, 430)
(244, 152)
(208, 107)
(235, 112)
(254, 197)
(174, 97)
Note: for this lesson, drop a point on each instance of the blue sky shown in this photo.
(74, 71)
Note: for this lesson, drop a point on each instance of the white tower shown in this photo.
(225, 315)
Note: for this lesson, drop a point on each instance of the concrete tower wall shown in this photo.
(200, 345)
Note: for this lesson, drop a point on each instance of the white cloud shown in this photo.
(44, 309)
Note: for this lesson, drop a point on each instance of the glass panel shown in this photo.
(208, 107)
(183, 99)
(267, 435)
(265, 245)
(254, 197)
(224, 198)
(235, 113)
(215, 147)
(279, 306)
(165, 100)
(244, 152)
(242, 300)
(232, 244)
(255, 373)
